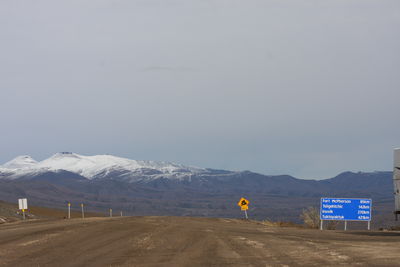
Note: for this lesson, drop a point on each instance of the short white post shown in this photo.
(345, 225)
(121, 213)
(110, 212)
(321, 225)
(83, 212)
(369, 225)
(69, 210)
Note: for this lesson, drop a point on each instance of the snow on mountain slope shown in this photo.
(20, 163)
(97, 166)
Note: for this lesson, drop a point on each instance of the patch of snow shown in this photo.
(97, 166)
(20, 162)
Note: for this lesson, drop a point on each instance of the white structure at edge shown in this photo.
(396, 179)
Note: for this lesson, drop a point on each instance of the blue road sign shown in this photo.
(345, 209)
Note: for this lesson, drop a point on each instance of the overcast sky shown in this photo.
(307, 88)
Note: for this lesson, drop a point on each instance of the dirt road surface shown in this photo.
(183, 241)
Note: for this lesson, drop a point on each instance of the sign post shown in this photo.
(244, 205)
(345, 209)
(69, 210)
(23, 205)
(110, 212)
(83, 213)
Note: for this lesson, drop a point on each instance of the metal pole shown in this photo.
(23, 214)
(121, 213)
(83, 213)
(245, 212)
(69, 210)
(369, 225)
(110, 212)
(321, 227)
(345, 225)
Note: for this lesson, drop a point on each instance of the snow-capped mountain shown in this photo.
(162, 188)
(20, 163)
(95, 167)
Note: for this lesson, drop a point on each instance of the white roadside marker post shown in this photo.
(69, 210)
(345, 225)
(322, 225)
(83, 212)
(121, 213)
(110, 212)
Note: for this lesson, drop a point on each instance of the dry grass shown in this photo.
(279, 224)
(59, 213)
(310, 217)
(9, 212)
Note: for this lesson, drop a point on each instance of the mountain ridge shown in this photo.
(101, 166)
(186, 191)
(98, 166)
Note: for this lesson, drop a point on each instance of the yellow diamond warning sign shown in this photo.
(243, 204)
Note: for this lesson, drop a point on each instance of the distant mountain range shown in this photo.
(164, 188)
(98, 167)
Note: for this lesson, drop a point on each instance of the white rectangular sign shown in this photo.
(23, 203)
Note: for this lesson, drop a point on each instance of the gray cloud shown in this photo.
(308, 88)
(165, 68)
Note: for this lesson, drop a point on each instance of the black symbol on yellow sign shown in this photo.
(244, 204)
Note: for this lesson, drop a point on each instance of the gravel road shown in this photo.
(184, 241)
